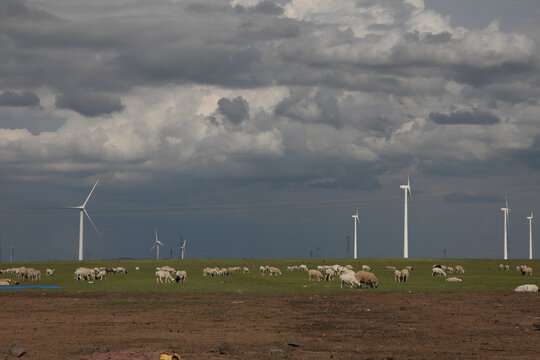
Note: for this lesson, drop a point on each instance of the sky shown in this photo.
(255, 129)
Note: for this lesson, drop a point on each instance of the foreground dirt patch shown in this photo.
(361, 324)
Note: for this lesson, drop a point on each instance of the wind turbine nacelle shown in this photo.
(403, 187)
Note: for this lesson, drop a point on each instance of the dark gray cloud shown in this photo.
(22, 99)
(90, 104)
(268, 7)
(464, 118)
(235, 110)
(464, 197)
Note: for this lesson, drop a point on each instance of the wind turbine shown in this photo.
(82, 209)
(356, 221)
(530, 218)
(183, 249)
(506, 210)
(156, 246)
(406, 189)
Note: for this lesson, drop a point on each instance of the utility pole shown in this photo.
(348, 253)
(11, 253)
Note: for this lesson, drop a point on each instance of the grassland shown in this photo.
(480, 275)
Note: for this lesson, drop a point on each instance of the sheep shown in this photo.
(181, 276)
(329, 274)
(453, 279)
(101, 274)
(160, 275)
(34, 274)
(262, 270)
(459, 269)
(246, 270)
(49, 272)
(391, 268)
(409, 268)
(526, 271)
(501, 267)
(315, 274)
(137, 268)
(366, 268)
(437, 272)
(527, 288)
(367, 278)
(274, 271)
(349, 267)
(83, 273)
(349, 279)
(397, 275)
(404, 275)
(506, 267)
(450, 270)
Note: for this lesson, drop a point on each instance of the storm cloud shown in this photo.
(22, 99)
(464, 117)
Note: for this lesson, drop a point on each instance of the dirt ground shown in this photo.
(356, 324)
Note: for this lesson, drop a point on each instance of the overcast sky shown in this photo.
(256, 128)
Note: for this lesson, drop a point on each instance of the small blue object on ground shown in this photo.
(28, 287)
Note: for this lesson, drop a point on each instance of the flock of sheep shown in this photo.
(346, 274)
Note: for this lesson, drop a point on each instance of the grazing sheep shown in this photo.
(527, 288)
(329, 274)
(101, 274)
(506, 267)
(181, 276)
(404, 275)
(349, 267)
(391, 268)
(49, 272)
(453, 279)
(501, 267)
(526, 271)
(410, 268)
(315, 274)
(137, 268)
(397, 275)
(450, 270)
(366, 268)
(303, 267)
(274, 271)
(246, 270)
(459, 269)
(367, 278)
(437, 272)
(262, 270)
(349, 279)
(160, 275)
(33, 274)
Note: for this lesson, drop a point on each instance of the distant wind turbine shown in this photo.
(356, 221)
(83, 212)
(156, 246)
(506, 210)
(530, 218)
(406, 189)
(183, 249)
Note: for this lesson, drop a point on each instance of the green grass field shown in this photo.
(480, 275)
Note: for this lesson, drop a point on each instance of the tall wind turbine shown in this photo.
(156, 246)
(530, 218)
(183, 249)
(356, 221)
(82, 210)
(406, 189)
(506, 210)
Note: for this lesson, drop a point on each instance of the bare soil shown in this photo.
(356, 324)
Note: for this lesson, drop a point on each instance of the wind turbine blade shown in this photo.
(155, 231)
(410, 193)
(160, 243)
(184, 243)
(153, 247)
(67, 207)
(91, 222)
(91, 191)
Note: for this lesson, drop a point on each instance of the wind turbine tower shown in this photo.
(356, 220)
(82, 210)
(156, 246)
(506, 210)
(183, 249)
(406, 189)
(530, 218)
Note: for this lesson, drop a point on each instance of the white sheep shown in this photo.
(390, 268)
(101, 274)
(527, 288)
(404, 275)
(329, 274)
(160, 275)
(366, 268)
(453, 279)
(274, 271)
(526, 271)
(246, 270)
(349, 279)
(262, 270)
(437, 272)
(137, 268)
(459, 269)
(181, 276)
(397, 275)
(49, 272)
(314, 274)
(303, 267)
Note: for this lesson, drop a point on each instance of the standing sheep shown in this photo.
(49, 272)
(181, 276)
(437, 272)
(404, 275)
(459, 269)
(397, 275)
(526, 271)
(349, 279)
(315, 274)
(366, 268)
